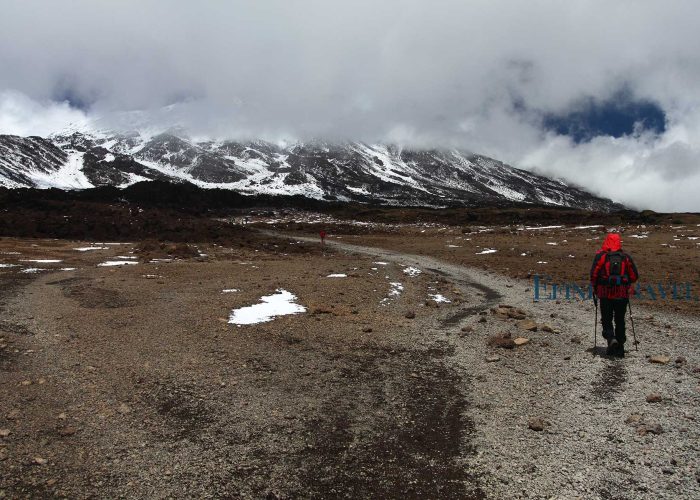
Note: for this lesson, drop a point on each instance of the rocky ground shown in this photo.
(666, 252)
(128, 381)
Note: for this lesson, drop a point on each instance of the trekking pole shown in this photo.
(634, 335)
(595, 328)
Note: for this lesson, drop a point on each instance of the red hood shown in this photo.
(612, 243)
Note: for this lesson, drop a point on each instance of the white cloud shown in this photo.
(442, 73)
(20, 115)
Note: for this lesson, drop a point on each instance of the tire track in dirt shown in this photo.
(458, 274)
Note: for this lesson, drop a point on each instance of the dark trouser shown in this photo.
(609, 309)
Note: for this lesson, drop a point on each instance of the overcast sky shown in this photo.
(489, 76)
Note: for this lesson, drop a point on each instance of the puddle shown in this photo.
(279, 304)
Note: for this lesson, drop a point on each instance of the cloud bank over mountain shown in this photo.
(602, 94)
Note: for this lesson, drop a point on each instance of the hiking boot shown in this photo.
(620, 350)
(612, 347)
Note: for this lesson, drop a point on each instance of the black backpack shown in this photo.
(616, 275)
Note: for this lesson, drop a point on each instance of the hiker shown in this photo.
(322, 234)
(612, 275)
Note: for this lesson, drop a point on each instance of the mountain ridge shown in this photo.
(346, 172)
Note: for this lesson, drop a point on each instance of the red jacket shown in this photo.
(612, 288)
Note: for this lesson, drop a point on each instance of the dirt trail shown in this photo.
(602, 439)
(415, 407)
(470, 280)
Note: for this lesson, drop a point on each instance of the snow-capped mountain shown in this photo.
(344, 172)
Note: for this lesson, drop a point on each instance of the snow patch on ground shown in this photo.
(337, 275)
(281, 303)
(395, 291)
(439, 298)
(32, 270)
(412, 271)
(230, 290)
(538, 228)
(486, 251)
(42, 261)
(87, 249)
(111, 263)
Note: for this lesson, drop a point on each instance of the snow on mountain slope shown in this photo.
(26, 161)
(345, 172)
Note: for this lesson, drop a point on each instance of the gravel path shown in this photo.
(115, 385)
(600, 436)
